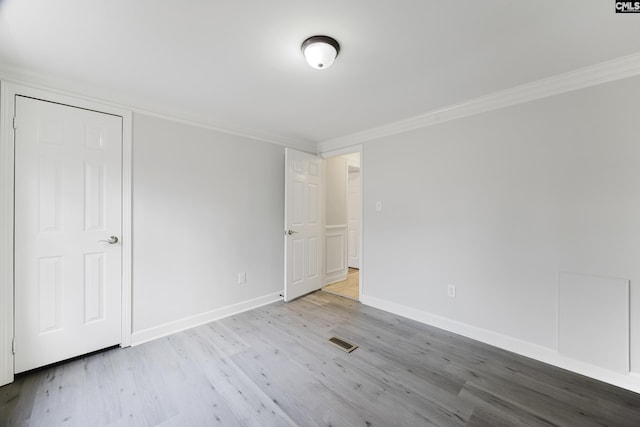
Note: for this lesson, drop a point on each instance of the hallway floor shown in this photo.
(350, 287)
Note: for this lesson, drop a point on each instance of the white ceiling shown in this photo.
(237, 64)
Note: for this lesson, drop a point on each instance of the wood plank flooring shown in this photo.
(273, 366)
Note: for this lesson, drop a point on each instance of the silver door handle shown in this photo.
(111, 240)
(290, 232)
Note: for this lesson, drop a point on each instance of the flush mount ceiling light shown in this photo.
(320, 51)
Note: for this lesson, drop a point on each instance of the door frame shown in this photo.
(8, 92)
(342, 152)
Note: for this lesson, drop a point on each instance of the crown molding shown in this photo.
(67, 88)
(300, 144)
(616, 69)
(620, 68)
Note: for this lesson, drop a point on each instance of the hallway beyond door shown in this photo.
(346, 288)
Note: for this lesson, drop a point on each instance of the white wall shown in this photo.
(206, 206)
(354, 207)
(499, 203)
(336, 191)
(335, 220)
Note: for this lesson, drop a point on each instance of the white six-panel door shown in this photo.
(68, 199)
(304, 208)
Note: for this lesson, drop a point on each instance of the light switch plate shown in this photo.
(451, 291)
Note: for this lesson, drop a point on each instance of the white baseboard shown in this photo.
(328, 280)
(200, 319)
(630, 381)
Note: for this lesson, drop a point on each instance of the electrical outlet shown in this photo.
(242, 277)
(451, 291)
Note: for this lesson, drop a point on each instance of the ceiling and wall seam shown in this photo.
(617, 69)
(37, 81)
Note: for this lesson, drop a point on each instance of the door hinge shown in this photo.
(13, 345)
(15, 123)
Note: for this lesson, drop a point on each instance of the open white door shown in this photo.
(303, 218)
(68, 266)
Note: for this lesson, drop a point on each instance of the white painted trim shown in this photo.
(330, 280)
(7, 109)
(44, 83)
(335, 227)
(337, 274)
(299, 144)
(341, 152)
(202, 318)
(6, 236)
(362, 219)
(616, 69)
(543, 354)
(127, 225)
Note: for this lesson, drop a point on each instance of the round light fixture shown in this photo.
(320, 51)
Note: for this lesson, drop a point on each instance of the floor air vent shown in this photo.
(344, 345)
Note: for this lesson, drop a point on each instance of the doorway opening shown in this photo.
(343, 200)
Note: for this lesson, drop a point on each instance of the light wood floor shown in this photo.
(349, 287)
(273, 366)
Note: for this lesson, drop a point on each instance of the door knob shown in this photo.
(290, 232)
(111, 240)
